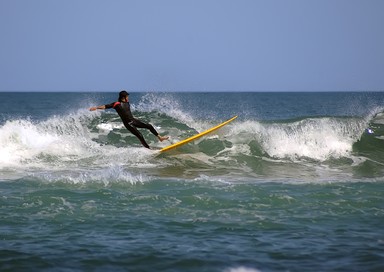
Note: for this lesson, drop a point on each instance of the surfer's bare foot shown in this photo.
(162, 138)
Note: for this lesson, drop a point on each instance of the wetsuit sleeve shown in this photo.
(109, 106)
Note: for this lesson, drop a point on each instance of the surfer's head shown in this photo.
(123, 95)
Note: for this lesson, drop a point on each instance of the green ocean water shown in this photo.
(294, 184)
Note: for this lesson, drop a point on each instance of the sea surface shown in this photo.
(295, 183)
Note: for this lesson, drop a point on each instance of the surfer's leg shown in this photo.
(140, 124)
(137, 133)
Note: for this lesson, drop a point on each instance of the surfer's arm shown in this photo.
(102, 107)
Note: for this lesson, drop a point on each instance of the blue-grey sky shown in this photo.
(192, 45)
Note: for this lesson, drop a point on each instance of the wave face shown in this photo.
(81, 146)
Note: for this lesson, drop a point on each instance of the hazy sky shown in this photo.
(192, 45)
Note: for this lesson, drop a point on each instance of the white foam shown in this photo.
(105, 176)
(318, 139)
(61, 143)
(21, 140)
(242, 269)
(109, 126)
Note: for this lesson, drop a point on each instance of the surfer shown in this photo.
(123, 108)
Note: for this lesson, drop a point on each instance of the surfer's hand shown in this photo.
(93, 108)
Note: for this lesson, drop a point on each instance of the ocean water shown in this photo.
(295, 183)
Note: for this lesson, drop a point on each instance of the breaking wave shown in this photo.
(88, 146)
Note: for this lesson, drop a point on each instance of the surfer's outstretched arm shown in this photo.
(102, 107)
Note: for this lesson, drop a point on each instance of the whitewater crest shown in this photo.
(314, 138)
(24, 141)
(59, 142)
(93, 146)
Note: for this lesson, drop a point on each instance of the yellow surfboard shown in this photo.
(183, 142)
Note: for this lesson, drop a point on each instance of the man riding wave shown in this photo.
(123, 108)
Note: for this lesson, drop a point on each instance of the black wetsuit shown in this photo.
(124, 111)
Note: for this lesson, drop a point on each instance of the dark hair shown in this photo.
(122, 95)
